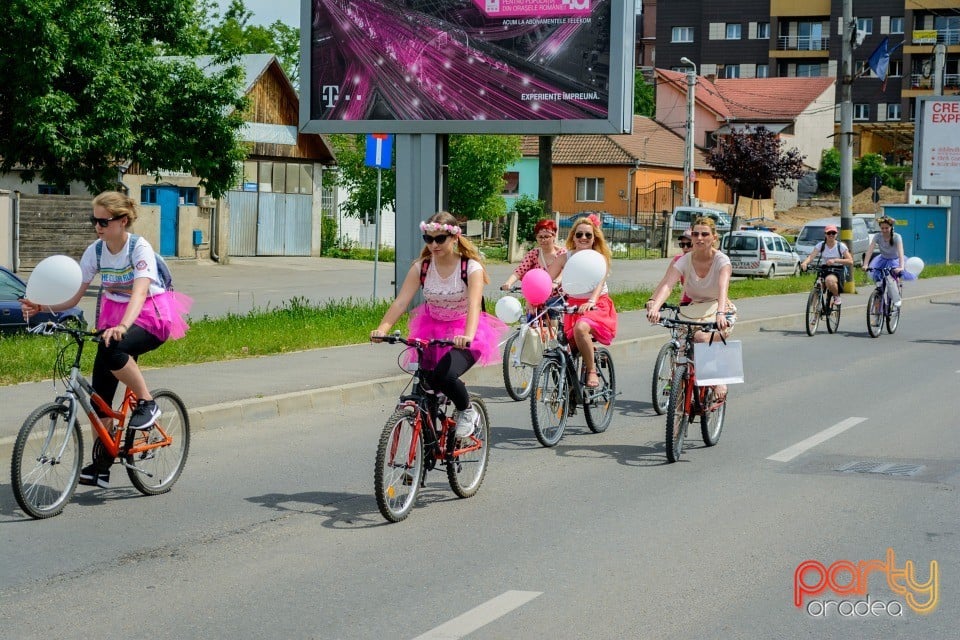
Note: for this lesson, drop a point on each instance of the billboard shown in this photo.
(467, 66)
(936, 146)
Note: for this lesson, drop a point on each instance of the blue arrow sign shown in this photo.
(379, 148)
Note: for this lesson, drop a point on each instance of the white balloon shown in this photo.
(509, 309)
(54, 280)
(914, 265)
(583, 272)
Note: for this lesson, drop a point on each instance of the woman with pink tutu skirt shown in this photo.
(452, 278)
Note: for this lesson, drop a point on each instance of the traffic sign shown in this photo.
(379, 148)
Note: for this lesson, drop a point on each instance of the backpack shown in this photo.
(163, 270)
(463, 276)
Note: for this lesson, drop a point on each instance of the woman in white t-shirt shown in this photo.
(834, 254)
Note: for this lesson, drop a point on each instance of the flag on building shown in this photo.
(879, 61)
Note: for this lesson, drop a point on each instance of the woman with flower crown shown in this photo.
(452, 278)
(596, 316)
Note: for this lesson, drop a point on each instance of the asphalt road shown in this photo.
(273, 530)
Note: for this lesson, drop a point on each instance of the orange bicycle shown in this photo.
(48, 451)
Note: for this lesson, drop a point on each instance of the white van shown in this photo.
(760, 253)
(812, 234)
(682, 217)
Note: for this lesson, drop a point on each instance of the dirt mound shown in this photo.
(791, 221)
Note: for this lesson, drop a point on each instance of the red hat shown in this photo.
(830, 227)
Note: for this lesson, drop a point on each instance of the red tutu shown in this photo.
(602, 319)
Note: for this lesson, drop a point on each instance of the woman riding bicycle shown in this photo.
(835, 255)
(706, 275)
(452, 279)
(596, 316)
(136, 314)
(540, 257)
(889, 247)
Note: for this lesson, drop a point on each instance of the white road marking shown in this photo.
(480, 616)
(793, 451)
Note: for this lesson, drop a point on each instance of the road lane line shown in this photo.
(793, 451)
(479, 616)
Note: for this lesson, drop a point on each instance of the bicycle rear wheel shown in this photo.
(813, 311)
(711, 422)
(45, 464)
(833, 318)
(875, 314)
(662, 373)
(548, 402)
(400, 468)
(598, 409)
(467, 460)
(677, 418)
(517, 376)
(155, 471)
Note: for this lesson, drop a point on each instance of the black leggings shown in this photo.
(136, 341)
(445, 377)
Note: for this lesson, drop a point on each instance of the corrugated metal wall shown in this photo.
(270, 224)
(243, 223)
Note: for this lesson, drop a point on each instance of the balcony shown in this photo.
(801, 47)
(922, 40)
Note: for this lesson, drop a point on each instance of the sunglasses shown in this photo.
(686, 245)
(103, 223)
(700, 234)
(831, 233)
(583, 234)
(544, 236)
(440, 239)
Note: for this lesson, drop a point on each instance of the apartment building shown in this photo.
(786, 38)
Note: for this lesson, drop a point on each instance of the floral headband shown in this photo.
(452, 229)
(594, 220)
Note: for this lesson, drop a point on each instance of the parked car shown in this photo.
(608, 222)
(681, 218)
(869, 219)
(812, 234)
(12, 289)
(753, 252)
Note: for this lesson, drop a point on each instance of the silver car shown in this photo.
(760, 253)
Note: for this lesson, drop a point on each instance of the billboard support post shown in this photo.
(419, 163)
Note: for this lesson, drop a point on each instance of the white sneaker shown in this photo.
(836, 301)
(467, 422)
(898, 303)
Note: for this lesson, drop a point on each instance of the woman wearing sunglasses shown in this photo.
(596, 316)
(135, 314)
(452, 278)
(705, 272)
(835, 255)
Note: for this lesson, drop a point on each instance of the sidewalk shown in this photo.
(220, 394)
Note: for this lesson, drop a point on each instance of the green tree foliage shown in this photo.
(644, 100)
(477, 164)
(529, 212)
(84, 91)
(359, 180)
(828, 176)
(868, 166)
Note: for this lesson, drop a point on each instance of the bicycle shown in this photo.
(48, 451)
(880, 307)
(819, 303)
(517, 370)
(419, 435)
(664, 366)
(688, 401)
(559, 385)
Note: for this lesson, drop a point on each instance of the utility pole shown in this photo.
(846, 130)
(688, 169)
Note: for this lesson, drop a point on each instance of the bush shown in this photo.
(828, 176)
(868, 166)
(328, 234)
(529, 211)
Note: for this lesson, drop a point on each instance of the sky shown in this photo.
(266, 12)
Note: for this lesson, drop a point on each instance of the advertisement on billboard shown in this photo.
(467, 66)
(936, 146)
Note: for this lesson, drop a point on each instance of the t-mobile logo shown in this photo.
(330, 93)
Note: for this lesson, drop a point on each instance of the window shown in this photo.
(808, 70)
(731, 71)
(895, 68)
(148, 195)
(682, 34)
(865, 25)
(896, 24)
(763, 30)
(589, 189)
(52, 190)
(861, 112)
(188, 195)
(328, 201)
(893, 111)
(733, 31)
(763, 71)
(511, 183)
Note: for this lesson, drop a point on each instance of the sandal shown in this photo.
(720, 392)
(592, 380)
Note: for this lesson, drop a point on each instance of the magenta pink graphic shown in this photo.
(455, 60)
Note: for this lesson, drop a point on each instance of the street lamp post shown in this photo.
(688, 155)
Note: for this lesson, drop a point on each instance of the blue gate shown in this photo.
(168, 199)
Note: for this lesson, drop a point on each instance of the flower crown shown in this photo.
(452, 229)
(594, 220)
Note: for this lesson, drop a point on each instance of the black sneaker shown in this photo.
(145, 415)
(92, 476)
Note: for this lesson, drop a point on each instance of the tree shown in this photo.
(477, 164)
(828, 176)
(752, 162)
(644, 100)
(85, 90)
(529, 212)
(359, 180)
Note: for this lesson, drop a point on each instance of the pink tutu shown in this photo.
(602, 319)
(163, 315)
(485, 345)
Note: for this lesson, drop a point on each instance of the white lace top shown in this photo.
(447, 297)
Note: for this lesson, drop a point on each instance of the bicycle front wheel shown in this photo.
(893, 319)
(155, 471)
(711, 422)
(813, 311)
(677, 417)
(548, 402)
(875, 314)
(833, 318)
(598, 409)
(399, 469)
(662, 373)
(45, 464)
(517, 376)
(467, 459)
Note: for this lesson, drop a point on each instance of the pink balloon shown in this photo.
(536, 286)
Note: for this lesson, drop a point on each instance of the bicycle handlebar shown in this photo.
(419, 343)
(50, 328)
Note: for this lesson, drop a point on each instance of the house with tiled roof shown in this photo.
(800, 110)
